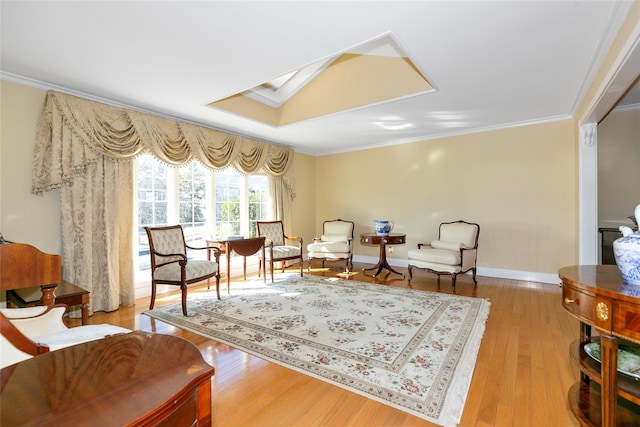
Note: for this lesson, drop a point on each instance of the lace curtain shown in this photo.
(86, 149)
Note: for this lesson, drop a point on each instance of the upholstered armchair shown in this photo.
(170, 265)
(454, 252)
(335, 244)
(27, 332)
(276, 248)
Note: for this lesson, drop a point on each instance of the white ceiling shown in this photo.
(494, 64)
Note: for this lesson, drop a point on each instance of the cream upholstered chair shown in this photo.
(335, 244)
(170, 265)
(27, 332)
(453, 253)
(276, 249)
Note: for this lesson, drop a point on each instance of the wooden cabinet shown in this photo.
(596, 296)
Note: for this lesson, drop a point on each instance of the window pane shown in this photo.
(258, 190)
(192, 184)
(228, 203)
(152, 202)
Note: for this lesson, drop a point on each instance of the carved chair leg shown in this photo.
(153, 296)
(474, 278)
(218, 285)
(410, 273)
(271, 271)
(184, 299)
(453, 283)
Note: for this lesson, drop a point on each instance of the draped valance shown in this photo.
(74, 132)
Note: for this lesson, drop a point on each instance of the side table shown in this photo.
(383, 241)
(597, 297)
(244, 247)
(64, 293)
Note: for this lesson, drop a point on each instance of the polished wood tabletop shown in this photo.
(138, 378)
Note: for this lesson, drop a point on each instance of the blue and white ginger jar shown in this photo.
(626, 250)
(382, 227)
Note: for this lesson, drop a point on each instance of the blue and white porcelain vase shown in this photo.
(626, 250)
(382, 227)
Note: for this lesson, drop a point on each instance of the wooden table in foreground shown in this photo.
(129, 379)
(383, 241)
(596, 295)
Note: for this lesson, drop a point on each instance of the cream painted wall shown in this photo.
(518, 184)
(618, 167)
(24, 217)
(303, 219)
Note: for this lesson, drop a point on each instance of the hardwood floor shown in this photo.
(521, 378)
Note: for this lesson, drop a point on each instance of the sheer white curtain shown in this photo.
(86, 149)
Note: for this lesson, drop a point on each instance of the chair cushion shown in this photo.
(328, 247)
(335, 238)
(169, 241)
(338, 228)
(194, 269)
(282, 252)
(451, 246)
(459, 232)
(437, 256)
(441, 268)
(77, 335)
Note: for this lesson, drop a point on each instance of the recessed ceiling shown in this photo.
(371, 73)
(493, 64)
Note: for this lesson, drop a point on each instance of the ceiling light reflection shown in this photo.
(393, 123)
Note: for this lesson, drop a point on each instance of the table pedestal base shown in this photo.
(392, 239)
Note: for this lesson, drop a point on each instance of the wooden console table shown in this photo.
(382, 241)
(596, 296)
(139, 378)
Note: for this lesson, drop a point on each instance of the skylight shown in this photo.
(371, 73)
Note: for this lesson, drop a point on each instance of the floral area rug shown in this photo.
(410, 349)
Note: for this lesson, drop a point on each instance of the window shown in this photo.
(206, 204)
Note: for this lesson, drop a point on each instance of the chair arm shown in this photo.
(215, 248)
(183, 256)
(216, 251)
(420, 245)
(299, 239)
(18, 339)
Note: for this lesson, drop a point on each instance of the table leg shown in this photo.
(608, 371)
(382, 262)
(48, 294)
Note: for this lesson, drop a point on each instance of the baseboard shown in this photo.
(252, 268)
(526, 276)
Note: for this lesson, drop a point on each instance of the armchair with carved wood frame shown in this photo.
(170, 265)
(276, 249)
(454, 252)
(335, 244)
